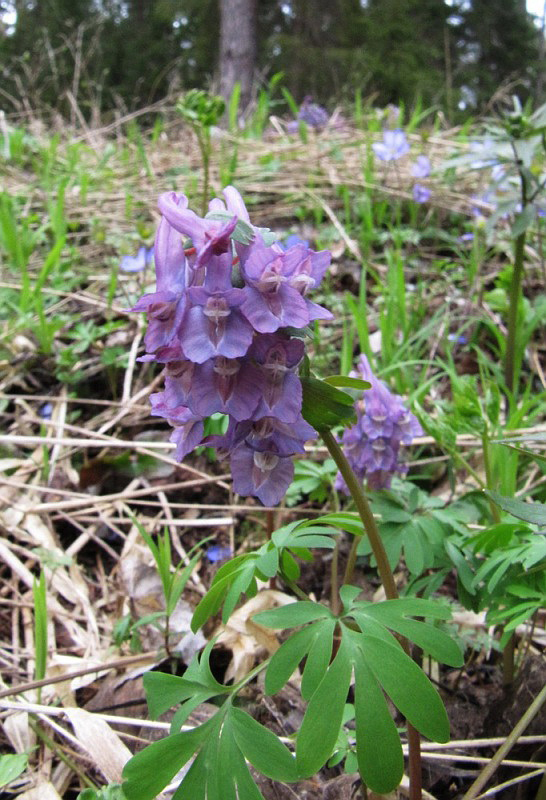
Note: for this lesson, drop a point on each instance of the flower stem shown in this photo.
(495, 513)
(365, 513)
(387, 579)
(515, 293)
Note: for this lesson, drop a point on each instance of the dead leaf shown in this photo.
(19, 732)
(44, 791)
(102, 743)
(245, 638)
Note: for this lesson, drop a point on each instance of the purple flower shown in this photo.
(421, 168)
(139, 262)
(394, 146)
(261, 473)
(277, 282)
(228, 386)
(215, 326)
(420, 193)
(383, 424)
(219, 322)
(280, 388)
(312, 114)
(209, 237)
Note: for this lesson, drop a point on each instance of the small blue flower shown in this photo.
(421, 168)
(483, 150)
(139, 262)
(45, 411)
(293, 239)
(394, 146)
(498, 174)
(218, 552)
(420, 193)
(453, 337)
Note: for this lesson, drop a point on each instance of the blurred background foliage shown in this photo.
(109, 54)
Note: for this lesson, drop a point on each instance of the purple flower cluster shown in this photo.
(372, 445)
(219, 321)
(312, 114)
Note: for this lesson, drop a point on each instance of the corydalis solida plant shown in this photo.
(219, 321)
(224, 320)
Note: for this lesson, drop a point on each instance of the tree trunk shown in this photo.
(237, 47)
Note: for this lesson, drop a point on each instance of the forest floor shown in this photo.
(83, 464)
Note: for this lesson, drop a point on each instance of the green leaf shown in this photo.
(164, 691)
(268, 562)
(534, 513)
(289, 566)
(408, 687)
(181, 715)
(179, 581)
(413, 548)
(11, 766)
(324, 406)
(379, 752)
(283, 535)
(345, 521)
(322, 721)
(239, 570)
(348, 595)
(220, 778)
(433, 641)
(286, 659)
(407, 606)
(318, 657)
(262, 748)
(194, 785)
(523, 220)
(292, 615)
(247, 788)
(240, 584)
(209, 604)
(150, 770)
(349, 383)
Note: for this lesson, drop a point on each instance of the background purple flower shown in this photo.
(421, 194)
(372, 444)
(293, 239)
(139, 262)
(394, 146)
(312, 114)
(421, 167)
